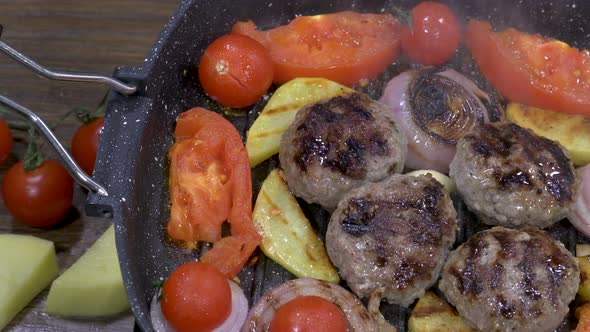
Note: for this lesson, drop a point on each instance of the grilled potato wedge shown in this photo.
(287, 236)
(584, 289)
(431, 314)
(571, 130)
(264, 137)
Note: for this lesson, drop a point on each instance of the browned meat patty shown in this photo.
(392, 236)
(511, 280)
(338, 144)
(510, 176)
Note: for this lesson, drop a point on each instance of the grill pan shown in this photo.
(131, 163)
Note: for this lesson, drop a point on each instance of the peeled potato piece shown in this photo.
(93, 286)
(28, 266)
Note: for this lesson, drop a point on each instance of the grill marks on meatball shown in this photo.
(338, 144)
(517, 275)
(393, 235)
(379, 217)
(340, 134)
(527, 162)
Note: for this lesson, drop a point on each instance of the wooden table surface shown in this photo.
(92, 36)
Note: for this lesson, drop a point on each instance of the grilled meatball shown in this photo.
(392, 236)
(338, 144)
(511, 280)
(512, 177)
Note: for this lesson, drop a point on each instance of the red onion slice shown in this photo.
(239, 311)
(579, 214)
(262, 313)
(434, 109)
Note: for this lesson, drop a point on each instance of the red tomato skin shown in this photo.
(85, 144)
(6, 141)
(434, 36)
(235, 70)
(518, 83)
(309, 314)
(196, 298)
(345, 47)
(211, 182)
(39, 198)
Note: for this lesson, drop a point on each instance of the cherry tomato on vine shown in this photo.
(38, 198)
(6, 141)
(236, 70)
(433, 36)
(196, 297)
(309, 314)
(85, 144)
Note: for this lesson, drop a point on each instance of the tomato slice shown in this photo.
(345, 47)
(532, 69)
(210, 183)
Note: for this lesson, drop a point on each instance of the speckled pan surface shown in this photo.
(139, 128)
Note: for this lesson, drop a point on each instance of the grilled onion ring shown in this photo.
(435, 109)
(262, 313)
(446, 105)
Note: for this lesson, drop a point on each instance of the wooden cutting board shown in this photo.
(92, 36)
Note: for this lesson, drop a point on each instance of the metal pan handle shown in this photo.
(75, 171)
(63, 76)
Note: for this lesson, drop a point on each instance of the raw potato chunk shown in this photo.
(287, 236)
(433, 314)
(571, 130)
(264, 137)
(28, 266)
(584, 289)
(93, 286)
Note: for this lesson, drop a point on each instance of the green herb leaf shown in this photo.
(404, 16)
(33, 156)
(159, 284)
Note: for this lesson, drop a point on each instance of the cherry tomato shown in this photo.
(434, 34)
(210, 183)
(196, 297)
(85, 144)
(5, 141)
(309, 314)
(532, 69)
(39, 198)
(345, 47)
(235, 70)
